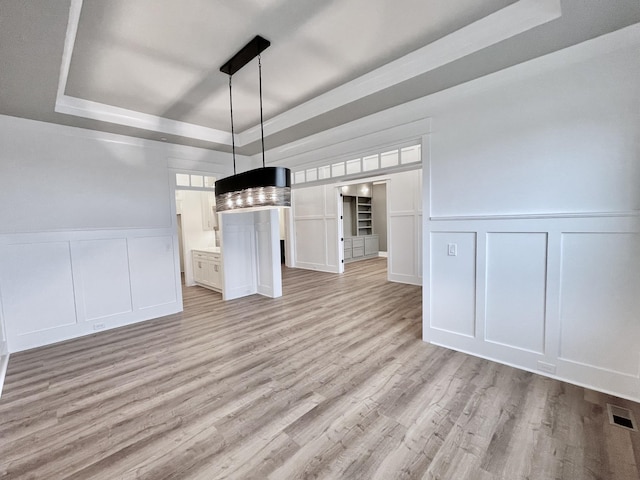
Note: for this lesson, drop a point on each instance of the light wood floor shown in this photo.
(330, 381)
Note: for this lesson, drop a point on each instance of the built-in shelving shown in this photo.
(360, 242)
(364, 216)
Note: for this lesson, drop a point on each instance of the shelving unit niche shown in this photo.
(364, 216)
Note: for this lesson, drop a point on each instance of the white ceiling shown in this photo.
(150, 68)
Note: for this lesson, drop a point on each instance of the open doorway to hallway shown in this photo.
(364, 221)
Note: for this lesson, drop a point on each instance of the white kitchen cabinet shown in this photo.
(207, 269)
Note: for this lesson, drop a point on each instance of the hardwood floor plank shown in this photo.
(329, 381)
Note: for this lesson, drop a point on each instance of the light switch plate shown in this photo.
(452, 249)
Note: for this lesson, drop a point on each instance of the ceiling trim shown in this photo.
(426, 108)
(131, 118)
(501, 25)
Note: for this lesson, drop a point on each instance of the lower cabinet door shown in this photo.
(216, 276)
(371, 245)
(208, 267)
(198, 270)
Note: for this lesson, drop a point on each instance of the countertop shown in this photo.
(207, 250)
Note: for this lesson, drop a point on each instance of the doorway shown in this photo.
(197, 227)
(364, 221)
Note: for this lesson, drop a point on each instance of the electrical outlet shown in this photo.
(452, 249)
(547, 367)
(98, 326)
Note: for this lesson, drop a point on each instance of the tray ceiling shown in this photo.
(150, 68)
(163, 58)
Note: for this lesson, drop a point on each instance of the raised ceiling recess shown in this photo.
(154, 65)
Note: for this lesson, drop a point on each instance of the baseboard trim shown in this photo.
(561, 378)
(383, 254)
(4, 364)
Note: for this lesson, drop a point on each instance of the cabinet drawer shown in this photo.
(358, 252)
(212, 257)
(347, 243)
(347, 253)
(358, 242)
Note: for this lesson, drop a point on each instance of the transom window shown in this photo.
(380, 161)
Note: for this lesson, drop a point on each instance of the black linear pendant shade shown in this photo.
(265, 187)
(258, 188)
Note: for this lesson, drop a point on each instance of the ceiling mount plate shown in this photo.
(247, 53)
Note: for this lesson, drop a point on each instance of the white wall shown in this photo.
(534, 178)
(87, 230)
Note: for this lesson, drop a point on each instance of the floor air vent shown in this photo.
(621, 417)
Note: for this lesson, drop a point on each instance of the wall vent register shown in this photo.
(622, 417)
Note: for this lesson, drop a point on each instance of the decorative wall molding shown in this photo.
(143, 261)
(539, 216)
(561, 292)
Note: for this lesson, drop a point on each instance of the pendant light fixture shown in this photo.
(261, 188)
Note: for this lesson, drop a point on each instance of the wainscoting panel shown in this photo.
(311, 241)
(600, 301)
(269, 272)
(152, 271)
(60, 285)
(101, 274)
(516, 284)
(403, 267)
(37, 287)
(331, 227)
(404, 223)
(559, 296)
(239, 259)
(315, 219)
(453, 282)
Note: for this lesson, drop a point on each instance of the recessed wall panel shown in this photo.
(401, 188)
(239, 258)
(310, 241)
(453, 282)
(308, 201)
(402, 259)
(103, 268)
(516, 290)
(152, 271)
(264, 227)
(600, 300)
(36, 285)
